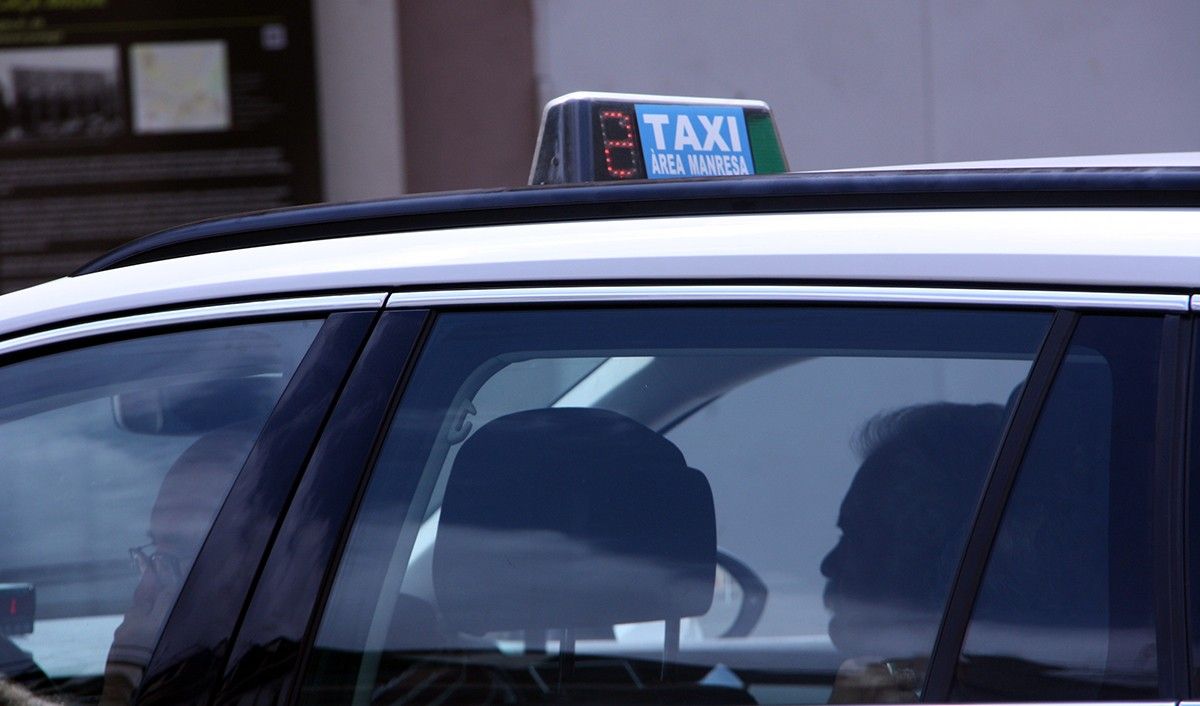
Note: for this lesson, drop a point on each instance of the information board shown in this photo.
(122, 117)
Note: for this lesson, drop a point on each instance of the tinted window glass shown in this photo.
(1192, 538)
(641, 505)
(1066, 609)
(115, 460)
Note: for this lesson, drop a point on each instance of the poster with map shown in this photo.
(119, 118)
(179, 87)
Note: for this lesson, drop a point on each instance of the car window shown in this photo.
(1066, 608)
(691, 505)
(116, 458)
(1191, 545)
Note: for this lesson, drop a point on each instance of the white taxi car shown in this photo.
(859, 437)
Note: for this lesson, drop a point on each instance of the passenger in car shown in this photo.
(903, 529)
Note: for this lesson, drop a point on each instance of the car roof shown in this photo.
(1087, 228)
(1091, 161)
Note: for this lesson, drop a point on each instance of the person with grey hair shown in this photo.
(904, 523)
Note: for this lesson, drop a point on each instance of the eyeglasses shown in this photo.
(164, 564)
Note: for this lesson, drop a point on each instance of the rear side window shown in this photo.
(744, 505)
(1066, 608)
(116, 458)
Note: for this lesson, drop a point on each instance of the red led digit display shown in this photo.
(620, 149)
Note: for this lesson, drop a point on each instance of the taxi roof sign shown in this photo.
(589, 137)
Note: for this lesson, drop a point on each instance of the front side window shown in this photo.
(116, 458)
(742, 505)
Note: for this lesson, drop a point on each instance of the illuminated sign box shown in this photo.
(588, 137)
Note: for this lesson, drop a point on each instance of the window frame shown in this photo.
(266, 654)
(1173, 436)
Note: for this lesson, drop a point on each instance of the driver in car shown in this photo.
(191, 493)
(903, 528)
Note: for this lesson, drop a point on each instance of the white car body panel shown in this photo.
(1114, 248)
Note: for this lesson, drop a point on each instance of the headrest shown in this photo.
(570, 518)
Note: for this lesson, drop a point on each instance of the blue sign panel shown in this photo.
(693, 141)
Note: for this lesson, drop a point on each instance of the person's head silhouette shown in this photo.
(904, 522)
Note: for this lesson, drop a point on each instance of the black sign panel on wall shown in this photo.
(122, 117)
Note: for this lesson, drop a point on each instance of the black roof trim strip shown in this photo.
(830, 191)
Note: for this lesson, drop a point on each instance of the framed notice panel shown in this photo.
(122, 117)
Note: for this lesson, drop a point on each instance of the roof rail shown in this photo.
(812, 191)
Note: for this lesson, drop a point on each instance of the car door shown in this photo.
(823, 472)
(146, 458)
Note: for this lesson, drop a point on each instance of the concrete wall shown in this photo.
(868, 83)
(852, 83)
(424, 95)
(359, 99)
(472, 110)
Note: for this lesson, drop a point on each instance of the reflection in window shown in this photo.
(638, 506)
(116, 458)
